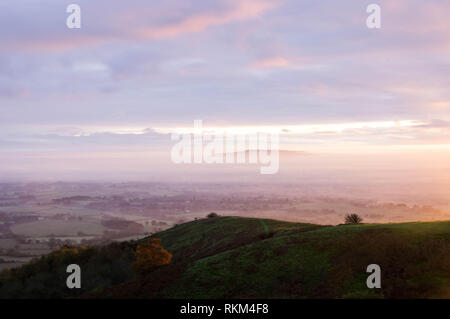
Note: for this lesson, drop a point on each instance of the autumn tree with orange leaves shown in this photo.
(150, 255)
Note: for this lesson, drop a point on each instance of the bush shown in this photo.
(150, 255)
(212, 215)
(353, 219)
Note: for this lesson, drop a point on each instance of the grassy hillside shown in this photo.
(233, 257)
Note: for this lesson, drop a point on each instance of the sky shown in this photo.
(138, 70)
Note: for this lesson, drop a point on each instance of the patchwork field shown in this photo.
(58, 228)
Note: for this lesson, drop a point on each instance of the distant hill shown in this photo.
(234, 257)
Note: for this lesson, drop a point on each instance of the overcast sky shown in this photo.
(149, 66)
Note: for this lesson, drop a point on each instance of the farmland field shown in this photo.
(58, 227)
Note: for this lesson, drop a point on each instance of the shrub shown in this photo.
(150, 255)
(212, 215)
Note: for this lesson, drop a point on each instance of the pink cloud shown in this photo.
(241, 10)
(61, 45)
(272, 62)
(192, 23)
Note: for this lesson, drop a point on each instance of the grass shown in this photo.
(236, 257)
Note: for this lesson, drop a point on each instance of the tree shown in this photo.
(353, 219)
(212, 215)
(150, 255)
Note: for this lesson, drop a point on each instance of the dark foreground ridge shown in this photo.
(234, 257)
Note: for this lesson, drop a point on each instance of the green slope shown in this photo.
(234, 257)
